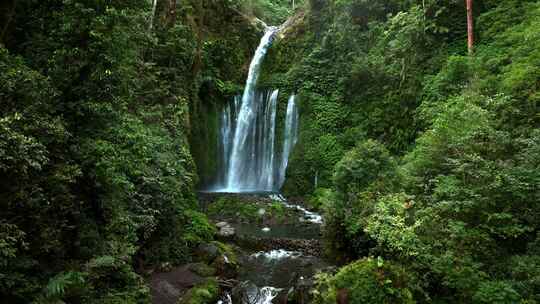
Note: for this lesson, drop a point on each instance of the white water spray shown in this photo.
(290, 136)
(243, 158)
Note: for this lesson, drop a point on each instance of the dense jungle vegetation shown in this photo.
(424, 159)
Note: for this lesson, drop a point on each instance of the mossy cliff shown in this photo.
(226, 41)
(350, 66)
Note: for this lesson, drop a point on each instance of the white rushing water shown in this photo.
(290, 136)
(277, 254)
(264, 295)
(250, 159)
(309, 216)
(226, 300)
(243, 158)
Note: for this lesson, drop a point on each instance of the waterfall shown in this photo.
(226, 137)
(243, 154)
(290, 136)
(247, 135)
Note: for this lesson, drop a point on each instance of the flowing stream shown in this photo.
(276, 273)
(253, 161)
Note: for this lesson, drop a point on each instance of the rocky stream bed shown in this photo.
(267, 251)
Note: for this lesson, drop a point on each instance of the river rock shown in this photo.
(240, 293)
(301, 294)
(207, 252)
(225, 230)
(282, 297)
(202, 269)
(222, 224)
(225, 268)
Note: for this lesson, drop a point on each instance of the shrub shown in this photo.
(365, 281)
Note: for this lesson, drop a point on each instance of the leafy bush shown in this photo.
(204, 293)
(365, 281)
(450, 189)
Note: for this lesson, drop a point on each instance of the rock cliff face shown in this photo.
(227, 40)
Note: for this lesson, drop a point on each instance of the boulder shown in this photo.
(202, 269)
(301, 292)
(225, 267)
(226, 232)
(206, 292)
(282, 297)
(206, 253)
(222, 224)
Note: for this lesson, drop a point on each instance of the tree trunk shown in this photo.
(342, 296)
(171, 14)
(9, 17)
(470, 26)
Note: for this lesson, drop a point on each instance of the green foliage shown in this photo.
(199, 229)
(366, 281)
(62, 282)
(277, 210)
(458, 207)
(232, 207)
(392, 225)
(359, 177)
(273, 12)
(96, 172)
(204, 293)
(238, 210)
(228, 251)
(359, 68)
(362, 166)
(496, 292)
(320, 197)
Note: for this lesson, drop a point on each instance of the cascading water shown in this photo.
(247, 138)
(243, 157)
(290, 136)
(227, 122)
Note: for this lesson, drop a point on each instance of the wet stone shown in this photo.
(207, 252)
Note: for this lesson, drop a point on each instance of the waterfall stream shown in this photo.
(290, 136)
(250, 161)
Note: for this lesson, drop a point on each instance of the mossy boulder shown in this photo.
(207, 253)
(226, 264)
(202, 269)
(204, 293)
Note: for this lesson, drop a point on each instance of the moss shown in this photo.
(277, 210)
(232, 207)
(204, 293)
(202, 269)
(226, 41)
(235, 210)
(228, 251)
(204, 138)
